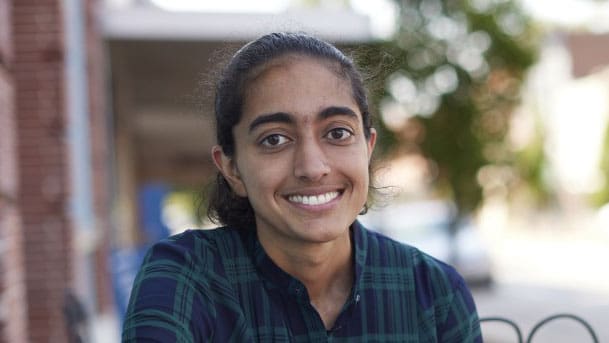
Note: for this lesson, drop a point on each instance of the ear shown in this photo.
(226, 165)
(371, 142)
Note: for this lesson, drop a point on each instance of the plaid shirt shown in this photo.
(220, 286)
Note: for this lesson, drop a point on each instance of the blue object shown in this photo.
(124, 264)
(150, 199)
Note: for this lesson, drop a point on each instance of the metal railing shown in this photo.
(540, 324)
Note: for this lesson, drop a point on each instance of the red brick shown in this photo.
(40, 158)
(37, 71)
(5, 33)
(12, 329)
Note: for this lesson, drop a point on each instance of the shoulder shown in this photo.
(391, 253)
(433, 279)
(387, 252)
(196, 244)
(171, 298)
(186, 259)
(443, 298)
(190, 238)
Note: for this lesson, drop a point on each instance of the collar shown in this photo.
(276, 278)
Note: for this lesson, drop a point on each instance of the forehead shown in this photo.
(296, 84)
(293, 59)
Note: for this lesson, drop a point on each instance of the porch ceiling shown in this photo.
(161, 94)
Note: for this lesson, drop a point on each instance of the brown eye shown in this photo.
(274, 140)
(339, 134)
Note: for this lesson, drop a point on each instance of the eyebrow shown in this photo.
(282, 117)
(278, 117)
(337, 111)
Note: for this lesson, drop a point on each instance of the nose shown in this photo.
(310, 162)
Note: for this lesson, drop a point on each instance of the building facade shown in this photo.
(42, 254)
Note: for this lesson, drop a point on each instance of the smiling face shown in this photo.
(301, 156)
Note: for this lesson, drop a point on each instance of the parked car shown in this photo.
(426, 226)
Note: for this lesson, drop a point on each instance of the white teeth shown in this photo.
(313, 199)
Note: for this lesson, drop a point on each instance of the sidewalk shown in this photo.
(543, 267)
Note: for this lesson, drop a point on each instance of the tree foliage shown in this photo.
(449, 79)
(601, 197)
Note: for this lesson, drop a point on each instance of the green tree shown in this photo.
(453, 70)
(601, 197)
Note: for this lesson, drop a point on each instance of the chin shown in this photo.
(326, 231)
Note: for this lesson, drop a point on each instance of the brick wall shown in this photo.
(36, 235)
(38, 74)
(12, 310)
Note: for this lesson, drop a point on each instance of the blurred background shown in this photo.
(493, 154)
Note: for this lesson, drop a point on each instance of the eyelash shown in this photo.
(283, 139)
(339, 129)
(266, 144)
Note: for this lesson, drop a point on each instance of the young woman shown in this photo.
(292, 263)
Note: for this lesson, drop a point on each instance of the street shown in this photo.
(527, 305)
(541, 270)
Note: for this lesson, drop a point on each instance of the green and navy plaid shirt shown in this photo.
(220, 286)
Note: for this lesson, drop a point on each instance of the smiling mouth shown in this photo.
(319, 199)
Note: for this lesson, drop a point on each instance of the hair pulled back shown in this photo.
(225, 206)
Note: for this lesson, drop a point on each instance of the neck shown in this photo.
(326, 270)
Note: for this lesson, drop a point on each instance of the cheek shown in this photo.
(261, 175)
(355, 168)
(356, 164)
